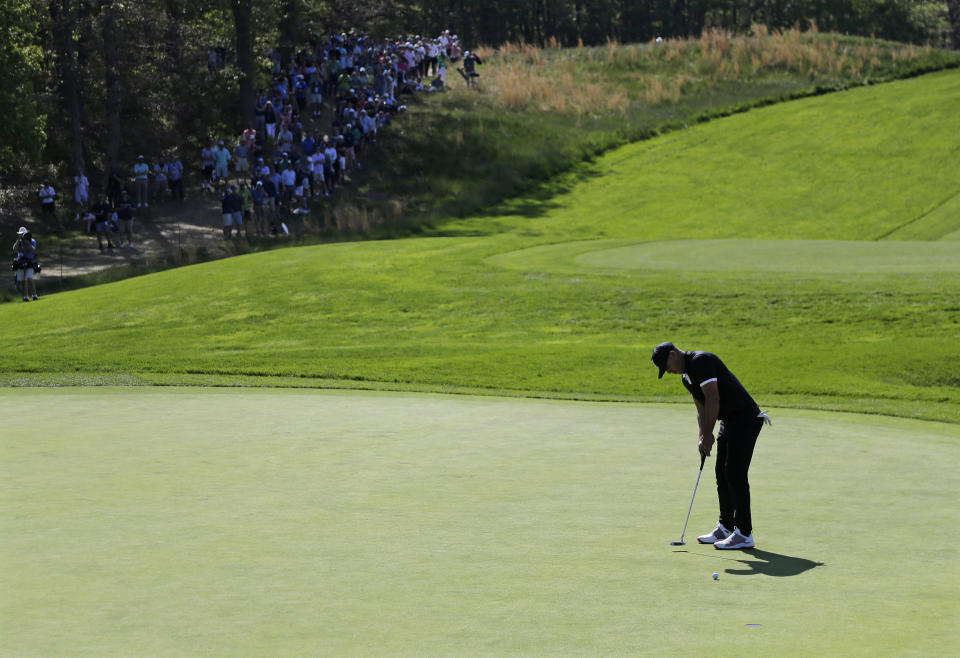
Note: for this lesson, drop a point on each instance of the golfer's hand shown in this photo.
(706, 444)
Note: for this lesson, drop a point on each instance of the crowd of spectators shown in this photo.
(295, 152)
(314, 123)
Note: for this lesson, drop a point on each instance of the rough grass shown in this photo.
(607, 79)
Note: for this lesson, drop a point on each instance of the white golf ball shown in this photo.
(716, 576)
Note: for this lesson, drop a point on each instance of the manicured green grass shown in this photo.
(475, 312)
(826, 258)
(867, 164)
(170, 522)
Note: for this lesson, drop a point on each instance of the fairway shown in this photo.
(731, 236)
(172, 521)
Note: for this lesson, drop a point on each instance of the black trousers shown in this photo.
(735, 443)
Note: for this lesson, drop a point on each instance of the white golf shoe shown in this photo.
(735, 541)
(720, 533)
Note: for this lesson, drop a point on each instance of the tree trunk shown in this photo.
(289, 26)
(953, 10)
(114, 98)
(242, 20)
(578, 15)
(62, 23)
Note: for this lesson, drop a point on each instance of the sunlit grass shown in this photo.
(480, 309)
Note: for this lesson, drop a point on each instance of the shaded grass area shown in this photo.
(52, 281)
(291, 522)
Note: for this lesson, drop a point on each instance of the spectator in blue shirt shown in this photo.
(175, 177)
(308, 146)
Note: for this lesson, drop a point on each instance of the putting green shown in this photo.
(162, 521)
(806, 257)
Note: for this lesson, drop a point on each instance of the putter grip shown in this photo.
(703, 458)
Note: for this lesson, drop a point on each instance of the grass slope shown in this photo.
(170, 522)
(860, 165)
(448, 312)
(541, 112)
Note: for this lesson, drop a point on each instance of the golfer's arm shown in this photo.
(710, 408)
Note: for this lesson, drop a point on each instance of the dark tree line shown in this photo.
(92, 83)
(572, 21)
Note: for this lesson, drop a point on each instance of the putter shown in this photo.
(703, 458)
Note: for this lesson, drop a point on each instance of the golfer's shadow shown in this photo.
(773, 564)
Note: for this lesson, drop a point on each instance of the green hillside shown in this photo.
(540, 112)
(558, 294)
(867, 164)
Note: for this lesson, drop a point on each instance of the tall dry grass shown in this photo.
(523, 78)
(556, 90)
(727, 57)
(523, 75)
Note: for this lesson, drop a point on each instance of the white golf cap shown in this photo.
(23, 229)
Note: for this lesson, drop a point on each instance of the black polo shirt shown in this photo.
(702, 368)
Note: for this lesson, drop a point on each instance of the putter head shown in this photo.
(678, 543)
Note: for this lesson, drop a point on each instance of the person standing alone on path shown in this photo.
(719, 395)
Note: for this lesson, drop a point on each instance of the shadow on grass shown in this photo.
(773, 564)
(767, 563)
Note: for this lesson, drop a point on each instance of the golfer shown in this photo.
(718, 395)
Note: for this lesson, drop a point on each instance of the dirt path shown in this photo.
(172, 229)
(182, 231)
